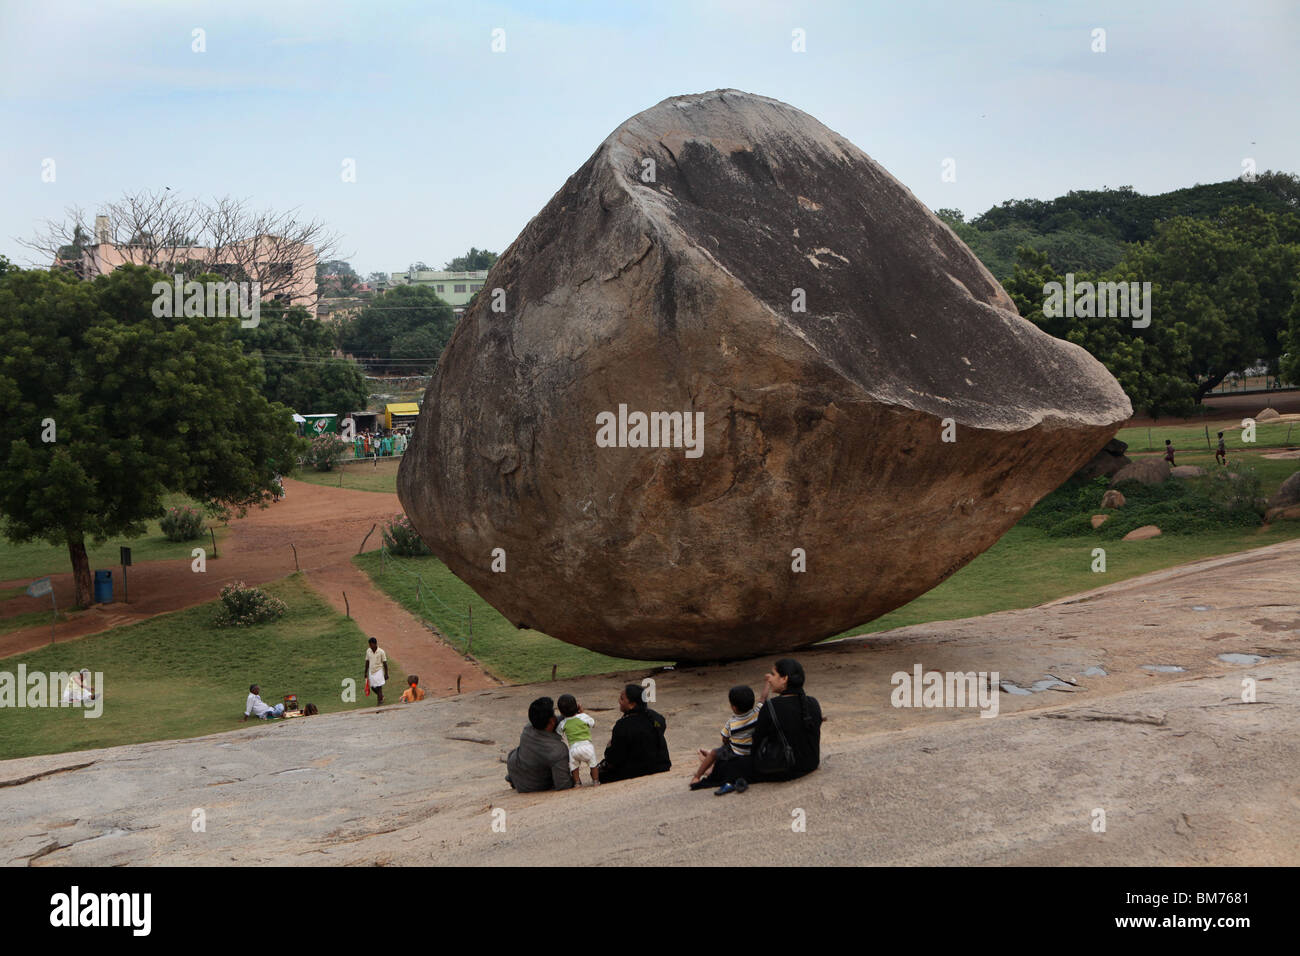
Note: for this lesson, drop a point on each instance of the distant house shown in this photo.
(454, 288)
(286, 269)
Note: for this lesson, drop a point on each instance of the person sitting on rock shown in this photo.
(637, 746)
(737, 733)
(541, 761)
(258, 707)
(791, 715)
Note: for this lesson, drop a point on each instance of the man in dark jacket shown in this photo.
(541, 761)
(637, 746)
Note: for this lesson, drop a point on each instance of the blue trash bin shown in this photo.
(103, 587)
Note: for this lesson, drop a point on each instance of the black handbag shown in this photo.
(774, 755)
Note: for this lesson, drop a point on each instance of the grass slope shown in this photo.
(444, 600)
(179, 676)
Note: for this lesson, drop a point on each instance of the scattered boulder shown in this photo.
(1286, 513)
(1266, 414)
(1142, 533)
(690, 386)
(1113, 499)
(1106, 462)
(1186, 471)
(1148, 471)
(1099, 520)
(1288, 494)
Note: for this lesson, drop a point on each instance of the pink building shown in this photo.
(285, 269)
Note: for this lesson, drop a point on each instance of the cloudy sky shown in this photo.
(457, 145)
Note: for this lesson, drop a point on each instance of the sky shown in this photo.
(455, 144)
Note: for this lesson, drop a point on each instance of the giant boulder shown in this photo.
(726, 258)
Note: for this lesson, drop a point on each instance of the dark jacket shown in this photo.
(540, 762)
(636, 746)
(804, 735)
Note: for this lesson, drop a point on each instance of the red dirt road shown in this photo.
(326, 526)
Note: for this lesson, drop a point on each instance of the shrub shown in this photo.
(244, 606)
(326, 451)
(182, 524)
(1194, 506)
(401, 538)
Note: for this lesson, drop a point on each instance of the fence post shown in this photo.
(1207, 438)
(367, 537)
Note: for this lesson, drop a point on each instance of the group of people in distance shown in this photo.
(554, 746)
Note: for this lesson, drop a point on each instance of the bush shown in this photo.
(1193, 506)
(244, 606)
(401, 538)
(182, 524)
(326, 451)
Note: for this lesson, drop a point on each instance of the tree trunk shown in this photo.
(80, 568)
(1203, 388)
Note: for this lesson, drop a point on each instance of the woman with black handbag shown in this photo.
(787, 737)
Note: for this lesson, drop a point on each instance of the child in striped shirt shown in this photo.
(737, 733)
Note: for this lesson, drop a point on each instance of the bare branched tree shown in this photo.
(161, 229)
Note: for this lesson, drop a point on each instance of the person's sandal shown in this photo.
(741, 785)
(701, 785)
(725, 788)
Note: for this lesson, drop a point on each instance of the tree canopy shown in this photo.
(472, 261)
(295, 352)
(109, 407)
(403, 330)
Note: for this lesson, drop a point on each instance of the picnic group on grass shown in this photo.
(771, 739)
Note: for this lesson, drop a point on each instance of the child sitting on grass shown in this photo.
(737, 733)
(575, 728)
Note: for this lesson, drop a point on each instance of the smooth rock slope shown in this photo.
(873, 411)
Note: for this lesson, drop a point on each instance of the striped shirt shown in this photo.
(738, 731)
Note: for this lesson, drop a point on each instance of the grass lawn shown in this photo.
(179, 676)
(362, 476)
(513, 655)
(1192, 437)
(35, 559)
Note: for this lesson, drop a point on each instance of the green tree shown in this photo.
(405, 329)
(296, 353)
(472, 261)
(109, 407)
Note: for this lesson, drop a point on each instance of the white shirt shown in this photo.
(256, 706)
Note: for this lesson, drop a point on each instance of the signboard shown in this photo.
(38, 588)
(126, 557)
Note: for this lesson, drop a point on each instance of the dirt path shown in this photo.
(326, 527)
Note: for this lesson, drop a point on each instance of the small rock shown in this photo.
(1099, 520)
(1266, 414)
(1187, 471)
(1142, 533)
(1288, 494)
(1113, 499)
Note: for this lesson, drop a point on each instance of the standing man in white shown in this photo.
(376, 670)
